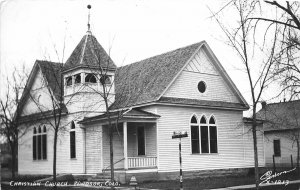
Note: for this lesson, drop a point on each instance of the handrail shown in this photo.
(113, 164)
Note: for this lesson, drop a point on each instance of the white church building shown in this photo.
(186, 89)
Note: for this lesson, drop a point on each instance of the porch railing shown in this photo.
(141, 162)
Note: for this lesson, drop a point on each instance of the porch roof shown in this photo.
(125, 115)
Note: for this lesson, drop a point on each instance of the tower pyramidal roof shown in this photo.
(89, 54)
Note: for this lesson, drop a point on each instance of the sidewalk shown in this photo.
(253, 186)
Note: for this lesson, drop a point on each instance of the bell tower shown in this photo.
(88, 76)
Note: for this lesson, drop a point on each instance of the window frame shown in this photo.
(90, 75)
(39, 139)
(202, 82)
(109, 77)
(76, 78)
(69, 81)
(194, 125)
(208, 125)
(276, 155)
(72, 148)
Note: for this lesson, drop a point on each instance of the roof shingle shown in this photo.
(53, 73)
(89, 53)
(280, 116)
(144, 81)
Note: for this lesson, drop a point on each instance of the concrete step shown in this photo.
(100, 177)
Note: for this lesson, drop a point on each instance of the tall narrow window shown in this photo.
(213, 137)
(39, 143)
(44, 142)
(72, 141)
(34, 144)
(277, 151)
(195, 135)
(204, 135)
(39, 137)
(141, 140)
(204, 139)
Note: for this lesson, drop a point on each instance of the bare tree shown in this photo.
(245, 40)
(10, 113)
(106, 93)
(287, 58)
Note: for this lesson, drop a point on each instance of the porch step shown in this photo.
(100, 177)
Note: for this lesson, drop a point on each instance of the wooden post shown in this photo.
(125, 145)
(292, 161)
(274, 165)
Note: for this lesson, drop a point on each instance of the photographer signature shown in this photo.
(266, 177)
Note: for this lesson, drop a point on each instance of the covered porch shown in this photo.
(134, 141)
(134, 146)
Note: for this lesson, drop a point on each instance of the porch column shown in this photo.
(125, 145)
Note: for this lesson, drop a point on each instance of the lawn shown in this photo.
(189, 184)
(220, 182)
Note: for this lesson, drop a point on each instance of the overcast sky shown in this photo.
(134, 29)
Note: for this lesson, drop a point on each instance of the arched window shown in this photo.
(213, 136)
(105, 80)
(69, 81)
(72, 141)
(39, 144)
(207, 141)
(90, 78)
(194, 119)
(203, 119)
(77, 79)
(204, 135)
(195, 135)
(212, 120)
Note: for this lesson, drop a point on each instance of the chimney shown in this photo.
(263, 104)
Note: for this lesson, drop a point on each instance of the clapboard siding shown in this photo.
(39, 95)
(287, 147)
(89, 102)
(118, 149)
(231, 142)
(64, 163)
(200, 68)
(186, 86)
(93, 149)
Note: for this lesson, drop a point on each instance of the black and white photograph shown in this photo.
(149, 94)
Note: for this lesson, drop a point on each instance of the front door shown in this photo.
(141, 141)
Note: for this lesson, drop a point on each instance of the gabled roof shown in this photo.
(90, 54)
(280, 116)
(51, 71)
(147, 80)
(144, 81)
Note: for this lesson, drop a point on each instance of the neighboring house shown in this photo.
(281, 132)
(182, 90)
